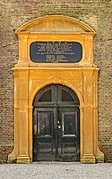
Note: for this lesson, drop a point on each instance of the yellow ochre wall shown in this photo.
(30, 77)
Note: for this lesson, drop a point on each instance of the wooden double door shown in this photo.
(56, 124)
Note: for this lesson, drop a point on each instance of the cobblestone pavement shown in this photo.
(56, 170)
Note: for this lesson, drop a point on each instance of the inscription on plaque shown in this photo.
(55, 52)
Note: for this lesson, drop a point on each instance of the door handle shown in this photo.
(59, 127)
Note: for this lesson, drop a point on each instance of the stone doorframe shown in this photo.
(30, 78)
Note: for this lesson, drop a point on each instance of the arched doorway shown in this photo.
(61, 65)
(56, 124)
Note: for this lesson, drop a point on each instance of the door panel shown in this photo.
(68, 134)
(69, 122)
(43, 134)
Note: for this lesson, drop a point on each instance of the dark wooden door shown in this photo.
(56, 124)
(68, 131)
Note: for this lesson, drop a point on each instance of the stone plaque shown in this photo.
(55, 52)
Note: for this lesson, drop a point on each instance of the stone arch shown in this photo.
(57, 81)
